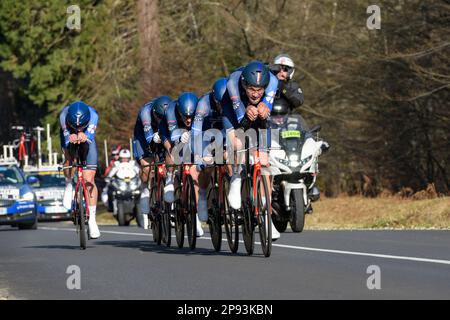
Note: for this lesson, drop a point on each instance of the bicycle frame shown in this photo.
(256, 167)
(186, 171)
(160, 174)
(81, 183)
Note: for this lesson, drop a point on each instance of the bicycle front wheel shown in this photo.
(229, 216)
(165, 218)
(264, 217)
(191, 213)
(179, 218)
(248, 227)
(155, 216)
(81, 217)
(214, 217)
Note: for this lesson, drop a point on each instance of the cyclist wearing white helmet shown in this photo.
(284, 68)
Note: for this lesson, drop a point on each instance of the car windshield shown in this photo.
(10, 175)
(49, 179)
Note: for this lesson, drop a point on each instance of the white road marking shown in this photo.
(355, 253)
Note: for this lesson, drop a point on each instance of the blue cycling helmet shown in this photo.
(219, 88)
(255, 74)
(78, 115)
(187, 103)
(160, 106)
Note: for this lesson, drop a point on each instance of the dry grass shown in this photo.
(363, 213)
(106, 218)
(377, 213)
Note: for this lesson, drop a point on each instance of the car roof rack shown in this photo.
(54, 168)
(8, 161)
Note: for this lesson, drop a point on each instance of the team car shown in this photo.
(17, 199)
(49, 190)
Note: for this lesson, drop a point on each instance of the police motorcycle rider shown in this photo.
(124, 163)
(288, 89)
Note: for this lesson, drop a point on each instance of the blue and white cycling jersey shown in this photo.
(238, 97)
(90, 130)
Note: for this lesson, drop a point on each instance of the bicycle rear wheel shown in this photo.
(191, 211)
(81, 217)
(165, 218)
(214, 217)
(229, 216)
(179, 219)
(264, 217)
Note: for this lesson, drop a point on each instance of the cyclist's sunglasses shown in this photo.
(186, 118)
(157, 116)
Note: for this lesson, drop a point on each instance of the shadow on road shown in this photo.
(150, 246)
(62, 247)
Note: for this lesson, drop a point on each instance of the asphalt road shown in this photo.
(126, 264)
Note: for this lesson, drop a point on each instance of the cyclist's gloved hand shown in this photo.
(156, 138)
(185, 137)
(263, 111)
(73, 138)
(82, 137)
(251, 113)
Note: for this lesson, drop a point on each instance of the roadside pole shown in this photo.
(131, 149)
(106, 153)
(38, 130)
(49, 145)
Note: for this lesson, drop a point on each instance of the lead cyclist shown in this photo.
(251, 91)
(78, 127)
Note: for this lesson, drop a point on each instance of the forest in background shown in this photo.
(381, 96)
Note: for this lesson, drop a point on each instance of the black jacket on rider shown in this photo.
(291, 91)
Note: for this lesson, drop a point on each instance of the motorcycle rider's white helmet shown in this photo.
(125, 154)
(285, 60)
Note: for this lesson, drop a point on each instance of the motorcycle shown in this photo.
(295, 167)
(126, 191)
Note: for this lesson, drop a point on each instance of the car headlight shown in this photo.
(29, 196)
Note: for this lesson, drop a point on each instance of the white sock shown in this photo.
(92, 212)
(144, 201)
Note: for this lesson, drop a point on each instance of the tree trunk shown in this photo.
(149, 42)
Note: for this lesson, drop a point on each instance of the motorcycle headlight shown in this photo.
(293, 158)
(282, 161)
(29, 196)
(123, 186)
(305, 161)
(133, 185)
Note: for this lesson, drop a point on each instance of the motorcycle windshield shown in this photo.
(292, 132)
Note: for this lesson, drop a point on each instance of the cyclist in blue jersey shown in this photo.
(150, 137)
(78, 123)
(180, 117)
(208, 115)
(251, 92)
